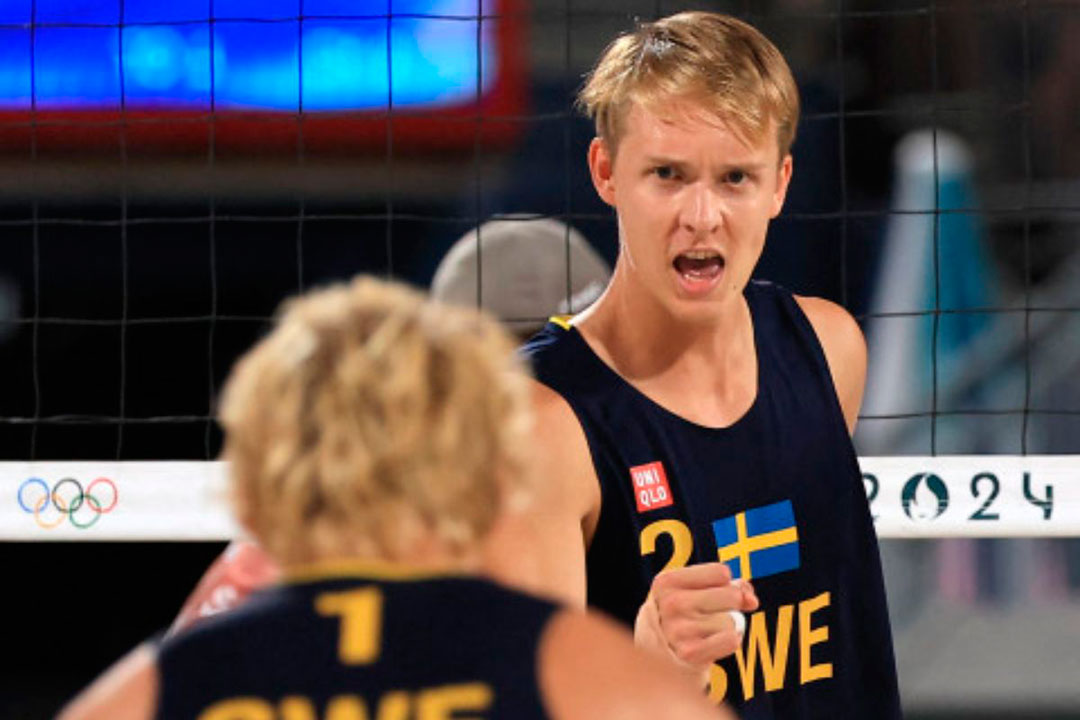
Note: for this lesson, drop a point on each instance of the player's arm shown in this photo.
(845, 351)
(687, 619)
(126, 691)
(588, 668)
(540, 546)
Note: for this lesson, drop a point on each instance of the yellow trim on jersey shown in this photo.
(562, 321)
(374, 569)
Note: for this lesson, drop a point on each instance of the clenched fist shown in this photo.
(693, 615)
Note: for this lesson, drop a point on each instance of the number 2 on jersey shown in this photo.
(682, 542)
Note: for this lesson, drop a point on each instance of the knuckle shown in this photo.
(724, 598)
(664, 604)
(680, 632)
(672, 605)
(687, 651)
(725, 643)
(662, 582)
(696, 653)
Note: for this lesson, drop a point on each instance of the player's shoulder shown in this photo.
(559, 358)
(833, 323)
(587, 663)
(126, 691)
(837, 330)
(560, 430)
(845, 351)
(552, 410)
(560, 433)
(548, 356)
(548, 342)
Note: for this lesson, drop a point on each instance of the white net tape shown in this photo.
(114, 501)
(911, 497)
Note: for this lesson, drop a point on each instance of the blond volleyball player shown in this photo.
(376, 442)
(697, 422)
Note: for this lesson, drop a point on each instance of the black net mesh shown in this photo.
(145, 246)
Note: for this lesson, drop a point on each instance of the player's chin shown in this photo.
(699, 311)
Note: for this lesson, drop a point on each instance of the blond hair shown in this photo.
(721, 63)
(370, 417)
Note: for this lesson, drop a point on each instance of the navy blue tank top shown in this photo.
(364, 647)
(777, 495)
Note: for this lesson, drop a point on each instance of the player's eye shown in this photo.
(664, 172)
(736, 177)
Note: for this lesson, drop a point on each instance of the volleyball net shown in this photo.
(173, 171)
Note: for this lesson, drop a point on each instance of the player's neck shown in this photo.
(641, 333)
(704, 372)
(420, 560)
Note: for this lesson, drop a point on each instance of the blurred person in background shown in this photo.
(522, 269)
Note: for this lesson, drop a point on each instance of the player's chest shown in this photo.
(762, 499)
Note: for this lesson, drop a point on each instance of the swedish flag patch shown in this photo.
(759, 542)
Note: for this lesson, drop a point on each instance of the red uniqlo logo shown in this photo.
(651, 489)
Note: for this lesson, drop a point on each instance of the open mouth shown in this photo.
(699, 265)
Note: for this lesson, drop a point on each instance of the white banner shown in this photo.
(974, 495)
(910, 497)
(114, 501)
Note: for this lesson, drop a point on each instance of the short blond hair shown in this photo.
(370, 415)
(717, 61)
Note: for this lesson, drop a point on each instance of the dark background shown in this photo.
(130, 303)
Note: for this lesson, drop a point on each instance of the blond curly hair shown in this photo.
(717, 61)
(370, 417)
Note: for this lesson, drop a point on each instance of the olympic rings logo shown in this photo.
(68, 498)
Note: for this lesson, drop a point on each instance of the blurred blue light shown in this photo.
(262, 59)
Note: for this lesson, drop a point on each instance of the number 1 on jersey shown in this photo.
(360, 612)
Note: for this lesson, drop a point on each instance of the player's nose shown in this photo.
(702, 210)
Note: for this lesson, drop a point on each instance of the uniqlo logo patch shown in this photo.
(651, 489)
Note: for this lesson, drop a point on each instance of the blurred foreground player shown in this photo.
(375, 441)
(521, 269)
(696, 423)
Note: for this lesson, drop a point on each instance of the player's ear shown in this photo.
(783, 180)
(601, 166)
